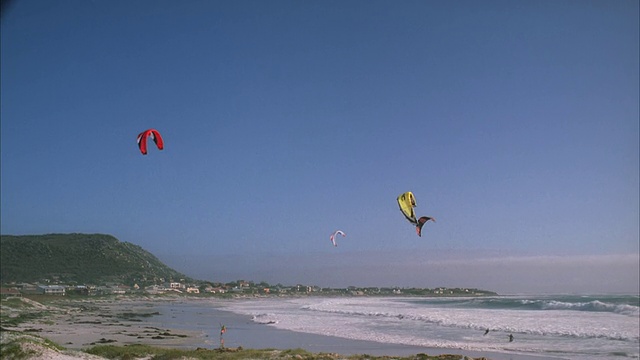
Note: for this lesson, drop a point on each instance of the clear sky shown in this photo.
(514, 123)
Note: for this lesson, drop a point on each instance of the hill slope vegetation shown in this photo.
(79, 258)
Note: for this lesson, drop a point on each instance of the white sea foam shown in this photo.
(595, 305)
(562, 328)
(265, 318)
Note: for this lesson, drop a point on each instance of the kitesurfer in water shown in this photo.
(486, 332)
(510, 337)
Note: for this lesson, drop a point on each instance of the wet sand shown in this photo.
(78, 324)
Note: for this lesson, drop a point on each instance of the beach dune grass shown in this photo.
(15, 351)
(18, 345)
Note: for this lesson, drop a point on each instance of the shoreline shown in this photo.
(78, 324)
(265, 336)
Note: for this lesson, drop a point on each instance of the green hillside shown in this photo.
(79, 258)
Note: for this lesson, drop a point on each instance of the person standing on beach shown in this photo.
(223, 329)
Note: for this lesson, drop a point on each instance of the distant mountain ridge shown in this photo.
(79, 258)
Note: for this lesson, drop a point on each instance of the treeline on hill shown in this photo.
(79, 258)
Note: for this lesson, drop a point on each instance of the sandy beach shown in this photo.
(158, 321)
(78, 324)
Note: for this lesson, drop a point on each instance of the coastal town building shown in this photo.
(52, 290)
(9, 293)
(215, 290)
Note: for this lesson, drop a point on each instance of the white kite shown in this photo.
(333, 237)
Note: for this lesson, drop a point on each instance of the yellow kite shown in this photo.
(407, 202)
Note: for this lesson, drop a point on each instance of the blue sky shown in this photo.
(514, 123)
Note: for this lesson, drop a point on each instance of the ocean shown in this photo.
(560, 326)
